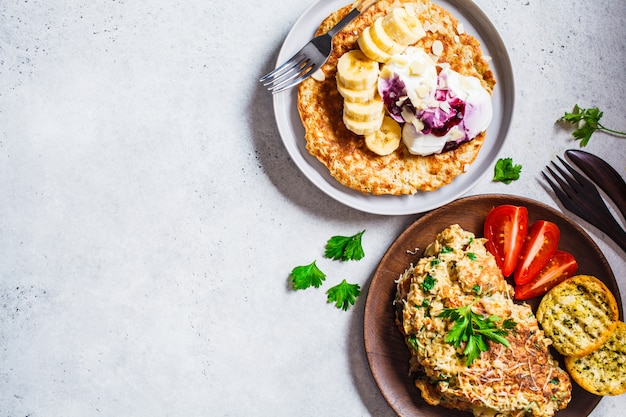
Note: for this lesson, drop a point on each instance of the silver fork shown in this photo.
(312, 55)
(580, 196)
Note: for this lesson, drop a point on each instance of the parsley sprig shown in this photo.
(341, 248)
(305, 276)
(474, 330)
(343, 294)
(587, 121)
(345, 248)
(506, 171)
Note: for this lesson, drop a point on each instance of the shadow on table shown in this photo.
(281, 170)
(276, 163)
(361, 375)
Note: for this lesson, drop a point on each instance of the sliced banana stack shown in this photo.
(357, 79)
(386, 139)
(356, 71)
(390, 34)
(371, 48)
(356, 96)
(364, 118)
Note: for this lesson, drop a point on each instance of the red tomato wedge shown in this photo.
(559, 268)
(505, 230)
(540, 245)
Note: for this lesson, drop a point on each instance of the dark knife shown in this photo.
(603, 174)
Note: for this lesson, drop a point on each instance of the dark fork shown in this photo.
(580, 196)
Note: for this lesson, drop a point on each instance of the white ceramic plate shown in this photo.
(292, 131)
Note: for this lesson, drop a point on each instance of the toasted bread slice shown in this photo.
(579, 315)
(602, 371)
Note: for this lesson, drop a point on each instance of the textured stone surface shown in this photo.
(150, 215)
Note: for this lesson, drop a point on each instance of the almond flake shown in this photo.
(434, 27)
(318, 75)
(437, 47)
(422, 91)
(418, 124)
(407, 115)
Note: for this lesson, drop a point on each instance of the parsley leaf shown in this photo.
(345, 248)
(412, 339)
(474, 330)
(505, 171)
(305, 276)
(587, 121)
(343, 294)
(428, 283)
(434, 262)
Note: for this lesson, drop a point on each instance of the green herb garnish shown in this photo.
(345, 248)
(428, 283)
(434, 262)
(474, 330)
(343, 294)
(305, 276)
(505, 171)
(412, 339)
(587, 121)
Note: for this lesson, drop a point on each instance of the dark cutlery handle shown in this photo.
(599, 215)
(617, 234)
(602, 174)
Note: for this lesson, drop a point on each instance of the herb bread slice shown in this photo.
(602, 371)
(578, 315)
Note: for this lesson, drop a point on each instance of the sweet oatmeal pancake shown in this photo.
(344, 153)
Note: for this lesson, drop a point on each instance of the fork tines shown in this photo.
(574, 190)
(580, 196)
(574, 181)
(292, 72)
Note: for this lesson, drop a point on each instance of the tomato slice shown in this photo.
(559, 268)
(505, 230)
(540, 245)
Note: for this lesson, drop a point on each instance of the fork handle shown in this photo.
(359, 7)
(619, 236)
(607, 223)
(363, 5)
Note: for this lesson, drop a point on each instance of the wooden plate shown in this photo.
(386, 352)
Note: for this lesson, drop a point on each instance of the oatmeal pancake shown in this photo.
(345, 153)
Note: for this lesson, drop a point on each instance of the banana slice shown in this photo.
(383, 40)
(356, 96)
(363, 112)
(370, 48)
(363, 127)
(357, 71)
(386, 139)
(402, 27)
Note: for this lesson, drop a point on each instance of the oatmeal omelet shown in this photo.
(522, 378)
(414, 120)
